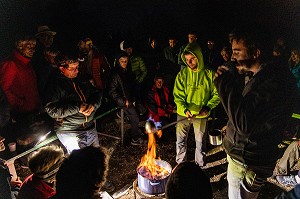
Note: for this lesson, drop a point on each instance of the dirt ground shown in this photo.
(125, 158)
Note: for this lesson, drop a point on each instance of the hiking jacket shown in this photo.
(18, 81)
(257, 113)
(194, 90)
(154, 103)
(63, 99)
(138, 67)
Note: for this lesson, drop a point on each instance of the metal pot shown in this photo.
(153, 187)
(215, 137)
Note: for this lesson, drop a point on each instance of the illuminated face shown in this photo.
(46, 39)
(72, 70)
(191, 61)
(295, 57)
(241, 55)
(27, 48)
(172, 43)
(192, 38)
(123, 61)
(128, 51)
(159, 83)
(225, 55)
(153, 43)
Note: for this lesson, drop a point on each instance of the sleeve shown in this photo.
(215, 99)
(180, 62)
(114, 91)
(95, 96)
(9, 73)
(143, 69)
(56, 107)
(151, 103)
(179, 93)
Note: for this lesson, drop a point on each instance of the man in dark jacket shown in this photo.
(258, 111)
(121, 90)
(72, 104)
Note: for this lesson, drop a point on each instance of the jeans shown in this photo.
(182, 130)
(78, 139)
(243, 182)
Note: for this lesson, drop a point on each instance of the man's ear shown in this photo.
(62, 69)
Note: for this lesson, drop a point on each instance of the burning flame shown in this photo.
(148, 167)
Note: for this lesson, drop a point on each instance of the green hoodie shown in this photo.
(195, 89)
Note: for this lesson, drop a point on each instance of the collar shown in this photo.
(20, 57)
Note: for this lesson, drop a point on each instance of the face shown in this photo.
(295, 57)
(28, 48)
(128, 51)
(191, 61)
(192, 38)
(241, 55)
(153, 43)
(225, 55)
(123, 61)
(210, 44)
(83, 47)
(159, 83)
(46, 39)
(172, 42)
(72, 70)
(50, 58)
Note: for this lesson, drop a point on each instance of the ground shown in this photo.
(125, 158)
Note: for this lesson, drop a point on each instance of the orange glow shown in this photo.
(147, 167)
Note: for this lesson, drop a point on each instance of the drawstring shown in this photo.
(82, 98)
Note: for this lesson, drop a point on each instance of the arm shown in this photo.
(143, 70)
(179, 93)
(9, 72)
(114, 91)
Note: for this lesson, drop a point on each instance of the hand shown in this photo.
(188, 114)
(127, 103)
(223, 130)
(203, 112)
(2, 146)
(167, 115)
(221, 70)
(86, 109)
(16, 183)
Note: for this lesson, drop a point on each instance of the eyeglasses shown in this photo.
(72, 69)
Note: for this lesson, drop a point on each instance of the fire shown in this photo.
(148, 167)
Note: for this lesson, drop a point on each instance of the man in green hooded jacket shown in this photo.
(195, 95)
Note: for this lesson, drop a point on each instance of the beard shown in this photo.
(244, 66)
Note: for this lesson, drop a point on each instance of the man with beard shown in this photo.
(94, 66)
(258, 111)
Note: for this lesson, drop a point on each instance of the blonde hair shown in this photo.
(43, 159)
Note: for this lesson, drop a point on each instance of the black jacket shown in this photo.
(121, 86)
(257, 113)
(63, 102)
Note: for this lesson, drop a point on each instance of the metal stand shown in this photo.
(138, 194)
(122, 124)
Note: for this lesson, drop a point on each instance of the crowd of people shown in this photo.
(45, 90)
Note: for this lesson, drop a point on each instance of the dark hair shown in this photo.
(251, 41)
(62, 60)
(82, 174)
(188, 181)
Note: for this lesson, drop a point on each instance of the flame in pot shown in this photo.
(148, 167)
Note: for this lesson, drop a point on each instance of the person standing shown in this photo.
(258, 111)
(195, 95)
(72, 104)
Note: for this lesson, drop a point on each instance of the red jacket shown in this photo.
(18, 81)
(34, 188)
(154, 103)
(100, 70)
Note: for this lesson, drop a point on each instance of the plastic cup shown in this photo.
(12, 146)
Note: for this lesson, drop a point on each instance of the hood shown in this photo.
(194, 49)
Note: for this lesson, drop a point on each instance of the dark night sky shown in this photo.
(138, 19)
